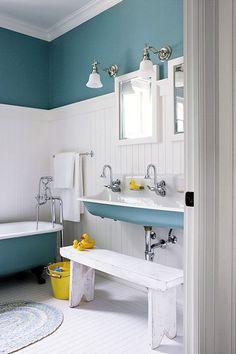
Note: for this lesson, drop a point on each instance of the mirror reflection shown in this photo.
(135, 108)
(179, 98)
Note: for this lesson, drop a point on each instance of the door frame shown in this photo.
(210, 170)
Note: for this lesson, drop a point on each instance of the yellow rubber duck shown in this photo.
(134, 186)
(85, 237)
(85, 243)
(88, 243)
(75, 243)
(80, 247)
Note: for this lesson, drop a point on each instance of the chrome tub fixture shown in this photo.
(146, 65)
(159, 187)
(95, 78)
(114, 185)
(45, 195)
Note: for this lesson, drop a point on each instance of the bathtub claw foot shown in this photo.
(38, 271)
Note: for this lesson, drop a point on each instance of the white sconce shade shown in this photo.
(94, 81)
(94, 78)
(146, 65)
(146, 68)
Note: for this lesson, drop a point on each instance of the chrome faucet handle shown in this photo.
(172, 238)
(153, 189)
(117, 181)
(162, 183)
(46, 180)
(161, 188)
(107, 186)
(161, 191)
(116, 186)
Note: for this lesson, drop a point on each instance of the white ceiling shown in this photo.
(41, 13)
(48, 19)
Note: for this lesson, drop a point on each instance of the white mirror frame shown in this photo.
(171, 65)
(155, 134)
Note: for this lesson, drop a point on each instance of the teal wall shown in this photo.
(116, 36)
(39, 74)
(24, 70)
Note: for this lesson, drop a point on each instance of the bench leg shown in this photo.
(89, 280)
(81, 283)
(161, 315)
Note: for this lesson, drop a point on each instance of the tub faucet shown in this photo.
(114, 185)
(45, 195)
(159, 187)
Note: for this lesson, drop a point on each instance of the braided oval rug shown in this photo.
(25, 322)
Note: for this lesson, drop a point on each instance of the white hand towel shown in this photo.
(64, 165)
(72, 207)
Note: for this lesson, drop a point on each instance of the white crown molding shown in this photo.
(23, 27)
(90, 10)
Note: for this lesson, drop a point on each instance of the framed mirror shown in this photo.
(176, 78)
(136, 108)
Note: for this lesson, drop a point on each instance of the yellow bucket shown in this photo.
(60, 280)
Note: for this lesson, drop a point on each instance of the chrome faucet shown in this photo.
(45, 195)
(159, 187)
(114, 185)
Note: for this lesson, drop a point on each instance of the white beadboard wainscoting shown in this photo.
(24, 157)
(29, 137)
(90, 125)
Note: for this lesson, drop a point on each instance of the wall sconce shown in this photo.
(95, 79)
(146, 65)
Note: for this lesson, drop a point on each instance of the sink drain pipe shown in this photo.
(149, 247)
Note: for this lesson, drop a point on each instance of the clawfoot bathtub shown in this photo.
(22, 247)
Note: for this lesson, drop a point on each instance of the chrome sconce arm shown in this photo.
(112, 70)
(163, 53)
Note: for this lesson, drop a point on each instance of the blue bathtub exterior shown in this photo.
(140, 216)
(23, 253)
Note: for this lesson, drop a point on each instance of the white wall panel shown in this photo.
(91, 125)
(24, 146)
(29, 138)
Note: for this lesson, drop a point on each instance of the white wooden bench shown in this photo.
(160, 280)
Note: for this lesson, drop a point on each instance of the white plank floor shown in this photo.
(114, 323)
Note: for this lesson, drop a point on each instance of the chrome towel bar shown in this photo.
(91, 154)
